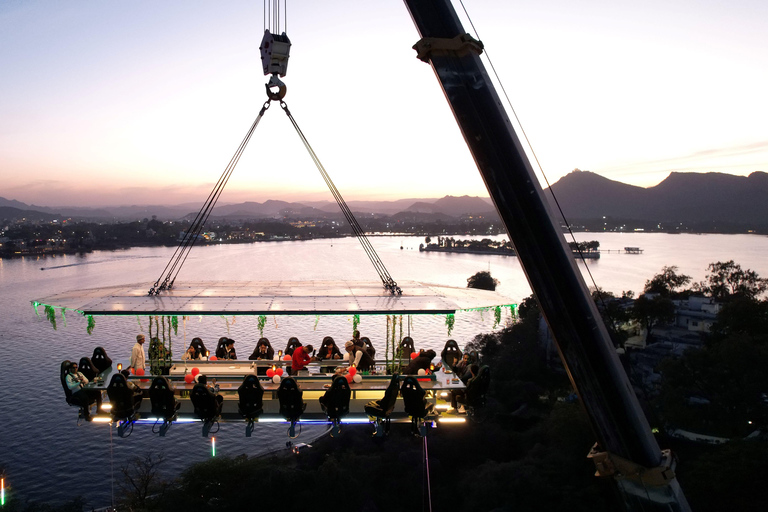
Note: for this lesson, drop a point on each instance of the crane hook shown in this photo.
(276, 89)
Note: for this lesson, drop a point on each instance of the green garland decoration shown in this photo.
(175, 324)
(64, 318)
(35, 304)
(163, 324)
(450, 319)
(50, 313)
(355, 322)
(138, 319)
(150, 328)
(496, 316)
(317, 319)
(262, 322)
(91, 325)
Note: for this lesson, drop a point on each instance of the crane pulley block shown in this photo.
(275, 51)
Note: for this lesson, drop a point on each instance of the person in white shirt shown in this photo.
(138, 360)
(75, 383)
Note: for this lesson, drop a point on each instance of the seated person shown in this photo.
(458, 395)
(137, 392)
(359, 356)
(213, 387)
(262, 352)
(420, 362)
(230, 346)
(229, 350)
(328, 350)
(75, 382)
(301, 357)
(192, 354)
(221, 348)
(461, 369)
(200, 347)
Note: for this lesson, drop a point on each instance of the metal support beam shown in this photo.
(582, 339)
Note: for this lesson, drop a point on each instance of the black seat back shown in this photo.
(293, 344)
(122, 398)
(474, 357)
(270, 354)
(207, 408)
(477, 388)
(251, 397)
(164, 404)
(451, 353)
(336, 399)
(100, 359)
(87, 368)
(329, 343)
(368, 346)
(413, 397)
(406, 347)
(63, 375)
(199, 347)
(383, 407)
(221, 348)
(291, 399)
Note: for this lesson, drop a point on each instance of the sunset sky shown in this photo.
(145, 102)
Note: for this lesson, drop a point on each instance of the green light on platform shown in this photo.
(2, 491)
(213, 446)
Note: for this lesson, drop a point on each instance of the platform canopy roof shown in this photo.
(276, 298)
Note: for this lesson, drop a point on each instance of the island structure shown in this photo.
(589, 249)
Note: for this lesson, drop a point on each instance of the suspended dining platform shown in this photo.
(276, 298)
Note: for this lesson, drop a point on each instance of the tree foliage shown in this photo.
(727, 281)
(650, 312)
(483, 281)
(667, 282)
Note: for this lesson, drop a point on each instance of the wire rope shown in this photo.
(384, 274)
(174, 265)
(541, 169)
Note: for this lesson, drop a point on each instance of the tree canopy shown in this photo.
(727, 281)
(667, 282)
(483, 281)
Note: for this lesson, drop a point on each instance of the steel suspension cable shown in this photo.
(378, 265)
(171, 271)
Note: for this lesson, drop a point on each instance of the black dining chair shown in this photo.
(335, 402)
(251, 401)
(380, 409)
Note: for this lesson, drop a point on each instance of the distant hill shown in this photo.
(445, 207)
(9, 213)
(681, 197)
(692, 198)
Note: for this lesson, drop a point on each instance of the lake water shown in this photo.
(47, 457)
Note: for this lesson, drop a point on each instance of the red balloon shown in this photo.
(286, 357)
(279, 372)
(140, 371)
(270, 373)
(195, 371)
(188, 378)
(352, 371)
(212, 358)
(414, 355)
(349, 378)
